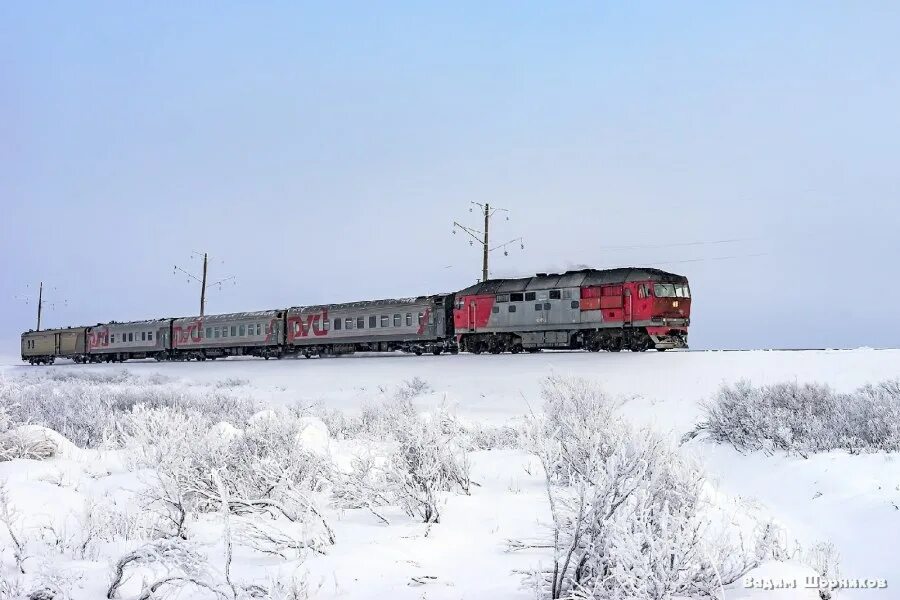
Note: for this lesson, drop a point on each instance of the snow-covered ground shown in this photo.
(851, 501)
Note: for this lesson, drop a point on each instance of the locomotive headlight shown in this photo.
(675, 304)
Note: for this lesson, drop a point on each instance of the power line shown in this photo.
(711, 258)
(679, 244)
(482, 237)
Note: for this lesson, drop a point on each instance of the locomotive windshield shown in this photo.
(671, 290)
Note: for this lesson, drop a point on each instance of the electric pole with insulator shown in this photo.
(203, 280)
(28, 299)
(483, 237)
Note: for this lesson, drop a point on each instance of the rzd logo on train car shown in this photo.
(185, 335)
(301, 326)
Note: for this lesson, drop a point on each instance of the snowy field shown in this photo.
(851, 501)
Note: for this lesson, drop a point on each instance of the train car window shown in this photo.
(150, 336)
(337, 324)
(554, 295)
(326, 324)
(539, 306)
(242, 330)
(385, 321)
(516, 297)
(503, 298)
(567, 294)
(348, 323)
(216, 332)
(397, 320)
(546, 306)
(421, 319)
(143, 336)
(233, 330)
(360, 322)
(258, 329)
(208, 332)
(512, 308)
(529, 296)
(112, 338)
(575, 304)
(373, 322)
(495, 309)
(130, 337)
(409, 319)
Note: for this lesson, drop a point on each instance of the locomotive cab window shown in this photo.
(671, 290)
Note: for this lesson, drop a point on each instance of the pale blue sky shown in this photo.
(323, 150)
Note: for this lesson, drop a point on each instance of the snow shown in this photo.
(852, 501)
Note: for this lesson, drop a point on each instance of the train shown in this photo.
(629, 308)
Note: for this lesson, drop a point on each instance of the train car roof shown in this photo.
(582, 277)
(51, 330)
(258, 314)
(130, 323)
(368, 303)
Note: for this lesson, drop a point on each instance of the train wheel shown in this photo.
(436, 351)
(661, 349)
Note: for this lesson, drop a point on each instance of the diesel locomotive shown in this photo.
(633, 309)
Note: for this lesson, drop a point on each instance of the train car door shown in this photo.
(470, 315)
(57, 343)
(626, 306)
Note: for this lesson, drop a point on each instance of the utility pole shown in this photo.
(40, 303)
(203, 279)
(483, 237)
(27, 298)
(203, 286)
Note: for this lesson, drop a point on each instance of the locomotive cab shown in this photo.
(670, 314)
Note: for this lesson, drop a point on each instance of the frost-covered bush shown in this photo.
(264, 470)
(804, 418)
(631, 516)
(84, 407)
(423, 456)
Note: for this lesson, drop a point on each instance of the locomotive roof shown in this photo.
(368, 303)
(582, 277)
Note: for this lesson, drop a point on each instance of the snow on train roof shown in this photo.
(368, 303)
(258, 314)
(579, 278)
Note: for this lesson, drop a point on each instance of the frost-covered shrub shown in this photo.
(85, 406)
(631, 516)
(578, 421)
(804, 418)
(423, 458)
(265, 470)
